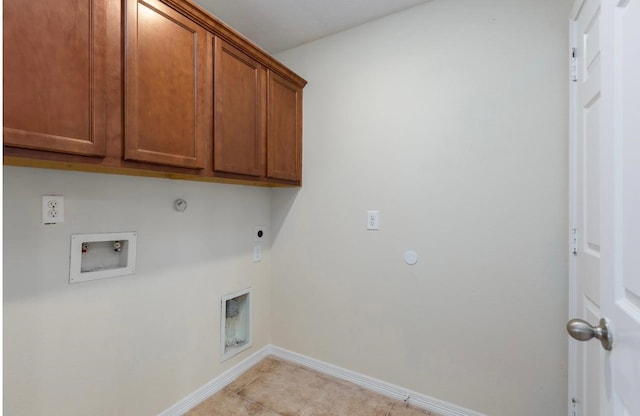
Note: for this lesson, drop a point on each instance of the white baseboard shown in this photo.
(398, 393)
(217, 384)
(386, 389)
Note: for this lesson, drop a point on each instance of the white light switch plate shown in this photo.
(257, 253)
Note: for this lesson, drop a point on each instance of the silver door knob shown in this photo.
(584, 331)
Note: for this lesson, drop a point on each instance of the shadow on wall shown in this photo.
(282, 201)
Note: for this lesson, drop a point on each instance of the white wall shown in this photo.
(451, 119)
(130, 345)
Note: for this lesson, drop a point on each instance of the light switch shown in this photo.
(257, 253)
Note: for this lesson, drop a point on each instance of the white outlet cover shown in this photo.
(373, 220)
(52, 209)
(410, 257)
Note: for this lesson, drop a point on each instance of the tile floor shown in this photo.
(278, 388)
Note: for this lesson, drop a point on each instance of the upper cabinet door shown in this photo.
(239, 116)
(284, 160)
(165, 86)
(54, 75)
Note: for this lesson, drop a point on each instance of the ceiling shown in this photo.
(278, 25)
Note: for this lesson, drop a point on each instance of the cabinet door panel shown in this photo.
(165, 86)
(284, 121)
(54, 75)
(239, 116)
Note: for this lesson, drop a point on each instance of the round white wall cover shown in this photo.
(410, 257)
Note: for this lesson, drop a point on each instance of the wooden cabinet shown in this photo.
(165, 86)
(258, 118)
(239, 139)
(55, 57)
(284, 121)
(146, 87)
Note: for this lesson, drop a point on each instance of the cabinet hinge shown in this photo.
(573, 241)
(574, 65)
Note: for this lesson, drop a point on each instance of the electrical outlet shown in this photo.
(373, 220)
(52, 209)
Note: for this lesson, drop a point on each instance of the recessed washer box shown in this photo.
(100, 256)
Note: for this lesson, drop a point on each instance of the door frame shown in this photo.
(573, 311)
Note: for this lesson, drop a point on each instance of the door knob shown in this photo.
(584, 331)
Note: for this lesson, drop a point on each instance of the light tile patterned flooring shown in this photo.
(278, 388)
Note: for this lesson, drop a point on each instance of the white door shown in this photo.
(605, 273)
(620, 264)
